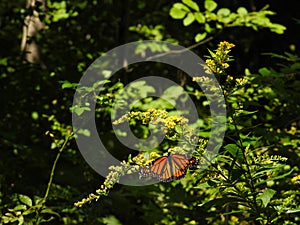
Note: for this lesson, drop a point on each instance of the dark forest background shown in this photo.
(36, 97)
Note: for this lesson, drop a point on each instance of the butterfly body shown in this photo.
(168, 168)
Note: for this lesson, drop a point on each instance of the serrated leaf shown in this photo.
(26, 200)
(266, 196)
(191, 4)
(199, 17)
(210, 5)
(176, 13)
(189, 19)
(200, 37)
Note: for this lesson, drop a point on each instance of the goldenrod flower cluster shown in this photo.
(111, 179)
(153, 116)
(219, 60)
(296, 179)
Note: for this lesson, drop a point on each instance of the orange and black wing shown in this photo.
(154, 168)
(168, 168)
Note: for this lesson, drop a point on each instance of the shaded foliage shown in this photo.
(263, 98)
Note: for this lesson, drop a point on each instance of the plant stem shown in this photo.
(54, 166)
(252, 188)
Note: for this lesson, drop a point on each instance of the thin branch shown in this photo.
(181, 51)
(54, 166)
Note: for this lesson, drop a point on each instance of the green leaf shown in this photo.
(20, 207)
(176, 13)
(191, 4)
(295, 66)
(181, 6)
(242, 11)
(237, 174)
(84, 132)
(212, 54)
(25, 199)
(266, 196)
(7, 218)
(49, 211)
(210, 5)
(203, 185)
(173, 92)
(3, 62)
(223, 12)
(111, 220)
(200, 37)
(296, 210)
(264, 71)
(218, 202)
(278, 28)
(246, 113)
(262, 172)
(34, 115)
(234, 150)
(207, 28)
(21, 220)
(67, 84)
(199, 17)
(79, 110)
(29, 211)
(189, 19)
(137, 84)
(37, 200)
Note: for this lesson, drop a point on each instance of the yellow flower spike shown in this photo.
(156, 117)
(218, 60)
(296, 179)
(153, 155)
(229, 78)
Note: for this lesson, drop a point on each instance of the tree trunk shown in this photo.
(32, 25)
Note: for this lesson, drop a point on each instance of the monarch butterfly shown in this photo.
(168, 168)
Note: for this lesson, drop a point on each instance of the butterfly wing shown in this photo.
(193, 162)
(168, 168)
(154, 168)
